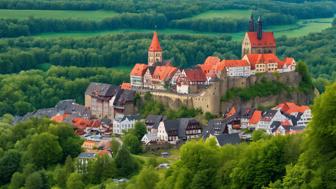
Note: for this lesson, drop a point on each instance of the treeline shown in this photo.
(109, 51)
(33, 26)
(31, 90)
(227, 25)
(176, 9)
(161, 14)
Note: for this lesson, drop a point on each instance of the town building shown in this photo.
(179, 130)
(122, 123)
(155, 51)
(258, 42)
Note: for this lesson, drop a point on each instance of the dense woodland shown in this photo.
(295, 161)
(161, 14)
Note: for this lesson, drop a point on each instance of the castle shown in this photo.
(258, 56)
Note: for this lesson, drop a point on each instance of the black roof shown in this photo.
(154, 120)
(123, 96)
(215, 126)
(179, 126)
(228, 139)
(101, 90)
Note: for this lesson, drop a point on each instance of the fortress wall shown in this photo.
(209, 99)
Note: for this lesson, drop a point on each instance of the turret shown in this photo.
(259, 28)
(154, 51)
(251, 24)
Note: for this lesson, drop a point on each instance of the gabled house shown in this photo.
(162, 76)
(216, 127)
(190, 80)
(122, 123)
(255, 119)
(237, 68)
(97, 98)
(268, 117)
(174, 131)
(122, 103)
(301, 114)
(152, 122)
(137, 75)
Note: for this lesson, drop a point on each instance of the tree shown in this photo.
(147, 179)
(259, 134)
(9, 164)
(132, 143)
(34, 181)
(17, 181)
(101, 169)
(44, 150)
(75, 181)
(125, 163)
(115, 145)
(139, 130)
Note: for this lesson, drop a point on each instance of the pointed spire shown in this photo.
(251, 23)
(155, 45)
(260, 32)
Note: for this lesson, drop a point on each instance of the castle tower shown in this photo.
(259, 32)
(154, 51)
(251, 24)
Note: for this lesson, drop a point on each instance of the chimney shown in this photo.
(260, 28)
(251, 24)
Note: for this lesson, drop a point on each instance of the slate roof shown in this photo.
(228, 139)
(85, 155)
(123, 96)
(124, 117)
(268, 115)
(71, 107)
(215, 126)
(154, 120)
(178, 127)
(101, 90)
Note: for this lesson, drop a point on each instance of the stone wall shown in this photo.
(208, 99)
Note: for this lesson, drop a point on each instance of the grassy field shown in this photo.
(56, 14)
(232, 13)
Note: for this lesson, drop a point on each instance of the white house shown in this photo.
(123, 123)
(268, 118)
(237, 68)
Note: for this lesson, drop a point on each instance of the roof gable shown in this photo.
(139, 70)
(164, 72)
(155, 44)
(267, 39)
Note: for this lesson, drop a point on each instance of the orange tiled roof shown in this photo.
(287, 61)
(195, 74)
(256, 117)
(267, 39)
(290, 107)
(127, 86)
(59, 117)
(139, 70)
(164, 72)
(231, 112)
(209, 63)
(155, 45)
(254, 59)
(235, 63)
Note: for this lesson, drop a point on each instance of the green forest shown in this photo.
(39, 154)
(37, 72)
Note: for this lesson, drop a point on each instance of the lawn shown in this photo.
(56, 14)
(231, 13)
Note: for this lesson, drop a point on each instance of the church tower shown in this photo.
(251, 24)
(259, 32)
(154, 51)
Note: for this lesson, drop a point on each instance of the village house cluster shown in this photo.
(258, 56)
(286, 118)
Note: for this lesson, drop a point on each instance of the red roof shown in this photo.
(155, 45)
(235, 63)
(164, 72)
(59, 117)
(290, 108)
(231, 112)
(126, 86)
(256, 117)
(254, 59)
(195, 74)
(287, 61)
(267, 39)
(139, 70)
(209, 63)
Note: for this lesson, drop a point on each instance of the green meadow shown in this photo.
(56, 14)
